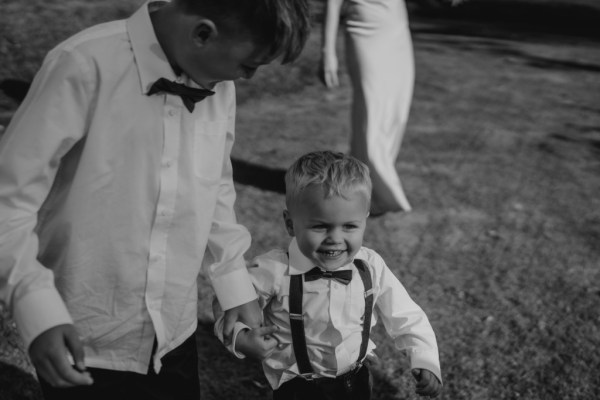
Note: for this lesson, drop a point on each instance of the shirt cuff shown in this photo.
(238, 327)
(428, 360)
(234, 289)
(38, 311)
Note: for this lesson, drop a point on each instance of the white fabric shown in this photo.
(109, 199)
(381, 66)
(332, 316)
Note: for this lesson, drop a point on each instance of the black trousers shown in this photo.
(178, 380)
(355, 385)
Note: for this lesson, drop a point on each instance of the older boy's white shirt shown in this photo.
(137, 201)
(333, 313)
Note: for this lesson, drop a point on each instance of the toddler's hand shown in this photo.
(257, 343)
(48, 353)
(427, 383)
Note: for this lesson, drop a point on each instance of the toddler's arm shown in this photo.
(427, 383)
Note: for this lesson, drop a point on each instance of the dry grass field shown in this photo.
(501, 162)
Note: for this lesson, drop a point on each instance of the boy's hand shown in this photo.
(48, 353)
(248, 313)
(257, 343)
(427, 383)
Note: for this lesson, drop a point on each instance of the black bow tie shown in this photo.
(189, 95)
(343, 277)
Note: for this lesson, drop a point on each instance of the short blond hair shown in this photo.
(336, 173)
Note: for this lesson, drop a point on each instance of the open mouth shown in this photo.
(331, 253)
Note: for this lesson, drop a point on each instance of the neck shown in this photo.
(165, 24)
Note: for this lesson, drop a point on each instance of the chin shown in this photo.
(332, 266)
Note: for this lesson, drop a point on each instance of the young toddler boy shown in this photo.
(325, 291)
(116, 191)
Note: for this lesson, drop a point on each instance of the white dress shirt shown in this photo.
(110, 200)
(333, 315)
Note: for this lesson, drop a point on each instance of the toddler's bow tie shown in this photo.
(189, 95)
(343, 277)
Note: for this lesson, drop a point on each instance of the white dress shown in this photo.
(381, 66)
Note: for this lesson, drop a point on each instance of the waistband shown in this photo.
(343, 377)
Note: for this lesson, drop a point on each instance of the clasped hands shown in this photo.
(259, 343)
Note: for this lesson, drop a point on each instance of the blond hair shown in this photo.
(336, 173)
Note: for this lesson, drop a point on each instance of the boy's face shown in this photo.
(329, 231)
(216, 56)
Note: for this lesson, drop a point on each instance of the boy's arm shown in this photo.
(227, 243)
(50, 121)
(257, 342)
(406, 322)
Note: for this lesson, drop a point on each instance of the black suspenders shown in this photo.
(297, 321)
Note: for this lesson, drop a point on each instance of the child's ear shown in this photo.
(204, 31)
(289, 224)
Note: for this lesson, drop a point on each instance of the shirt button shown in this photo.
(172, 112)
(166, 164)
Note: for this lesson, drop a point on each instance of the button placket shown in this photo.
(167, 192)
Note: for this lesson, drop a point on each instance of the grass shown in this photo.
(501, 162)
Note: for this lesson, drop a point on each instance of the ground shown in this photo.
(501, 162)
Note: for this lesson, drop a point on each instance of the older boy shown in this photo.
(320, 292)
(115, 181)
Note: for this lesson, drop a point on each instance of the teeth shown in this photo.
(332, 253)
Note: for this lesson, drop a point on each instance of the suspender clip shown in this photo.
(309, 376)
(296, 316)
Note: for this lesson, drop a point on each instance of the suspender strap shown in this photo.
(297, 325)
(297, 321)
(365, 275)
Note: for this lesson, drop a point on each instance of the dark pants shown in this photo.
(355, 385)
(178, 380)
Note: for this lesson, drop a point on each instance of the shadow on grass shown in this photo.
(264, 178)
(510, 19)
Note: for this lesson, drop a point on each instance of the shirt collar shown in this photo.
(300, 264)
(150, 59)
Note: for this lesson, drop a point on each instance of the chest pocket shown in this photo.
(210, 138)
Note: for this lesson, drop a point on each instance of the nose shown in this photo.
(334, 235)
